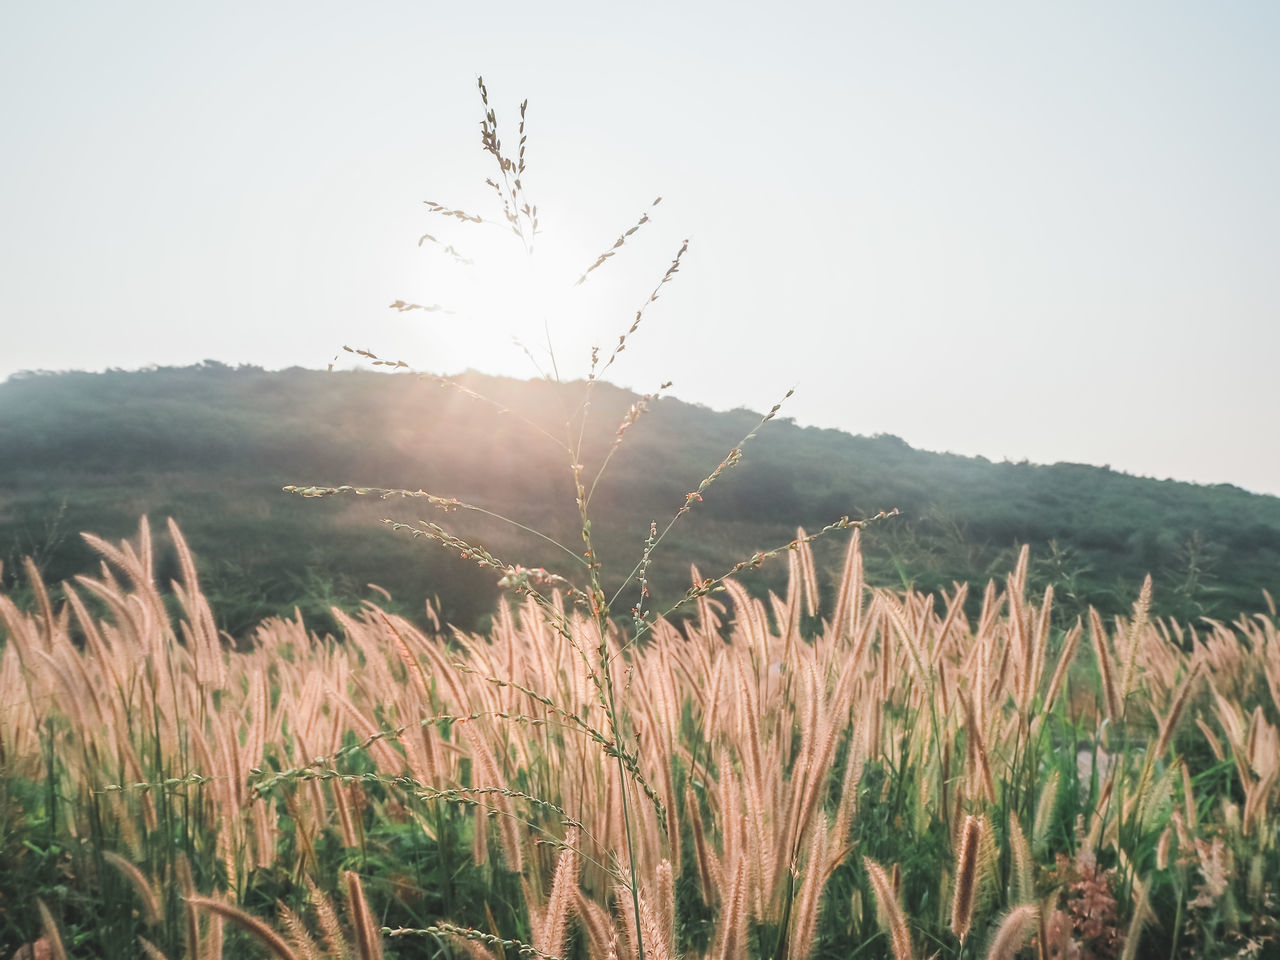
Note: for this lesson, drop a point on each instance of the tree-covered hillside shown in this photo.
(212, 445)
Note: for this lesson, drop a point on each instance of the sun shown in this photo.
(502, 306)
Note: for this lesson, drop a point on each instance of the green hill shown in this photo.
(212, 445)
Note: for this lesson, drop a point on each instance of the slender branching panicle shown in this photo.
(604, 257)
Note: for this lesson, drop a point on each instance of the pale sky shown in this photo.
(1042, 231)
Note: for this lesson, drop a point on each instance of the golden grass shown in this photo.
(746, 737)
(962, 902)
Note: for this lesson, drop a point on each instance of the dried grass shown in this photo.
(741, 722)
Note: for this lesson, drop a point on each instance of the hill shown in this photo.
(212, 446)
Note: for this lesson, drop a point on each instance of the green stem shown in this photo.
(626, 810)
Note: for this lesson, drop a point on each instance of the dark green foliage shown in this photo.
(212, 445)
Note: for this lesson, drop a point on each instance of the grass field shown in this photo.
(898, 779)
(782, 775)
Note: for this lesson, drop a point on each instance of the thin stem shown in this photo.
(755, 561)
(626, 812)
(732, 458)
(447, 504)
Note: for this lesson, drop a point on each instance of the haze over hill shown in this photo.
(212, 445)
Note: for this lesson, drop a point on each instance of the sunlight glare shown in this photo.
(508, 302)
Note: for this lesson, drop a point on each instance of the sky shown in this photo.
(1025, 231)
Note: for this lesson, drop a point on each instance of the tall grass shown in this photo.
(158, 782)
